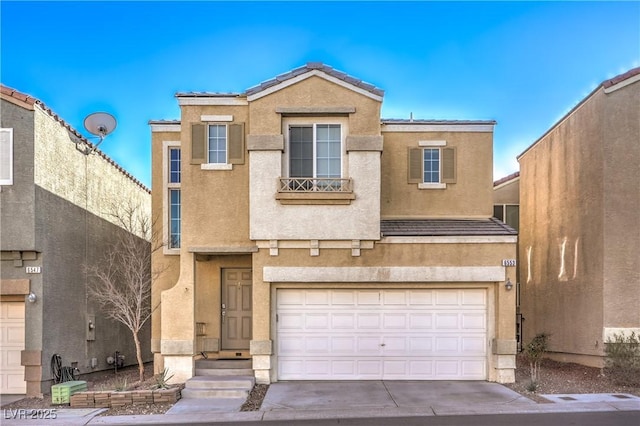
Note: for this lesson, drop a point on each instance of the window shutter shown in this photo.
(449, 165)
(198, 144)
(414, 165)
(236, 143)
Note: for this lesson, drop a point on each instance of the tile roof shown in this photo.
(445, 227)
(311, 66)
(622, 77)
(506, 178)
(30, 100)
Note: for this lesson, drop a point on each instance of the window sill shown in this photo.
(432, 186)
(216, 166)
(310, 198)
(171, 251)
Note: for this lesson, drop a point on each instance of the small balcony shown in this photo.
(315, 191)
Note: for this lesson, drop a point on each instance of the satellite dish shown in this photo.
(100, 124)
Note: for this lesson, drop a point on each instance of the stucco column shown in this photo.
(261, 348)
(505, 347)
(177, 344)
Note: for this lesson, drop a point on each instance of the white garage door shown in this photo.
(11, 345)
(382, 334)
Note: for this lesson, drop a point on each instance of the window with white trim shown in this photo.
(172, 199)
(432, 165)
(217, 144)
(315, 151)
(6, 156)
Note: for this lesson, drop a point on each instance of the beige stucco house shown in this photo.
(323, 242)
(580, 224)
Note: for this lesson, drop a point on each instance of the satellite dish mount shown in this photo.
(99, 124)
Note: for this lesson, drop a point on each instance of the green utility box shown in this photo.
(61, 393)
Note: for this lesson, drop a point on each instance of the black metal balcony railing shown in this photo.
(315, 185)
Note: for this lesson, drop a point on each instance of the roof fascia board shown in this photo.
(211, 100)
(312, 73)
(449, 127)
(622, 84)
(165, 127)
(507, 182)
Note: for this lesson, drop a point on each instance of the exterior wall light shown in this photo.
(508, 285)
(32, 297)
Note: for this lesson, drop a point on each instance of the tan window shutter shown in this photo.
(236, 143)
(449, 165)
(198, 144)
(414, 165)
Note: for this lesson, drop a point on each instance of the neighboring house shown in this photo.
(506, 207)
(506, 200)
(55, 206)
(324, 243)
(579, 239)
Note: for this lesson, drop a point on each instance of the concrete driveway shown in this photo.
(307, 395)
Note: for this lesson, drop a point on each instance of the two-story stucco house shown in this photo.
(323, 242)
(55, 219)
(580, 224)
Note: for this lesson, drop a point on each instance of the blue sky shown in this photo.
(523, 64)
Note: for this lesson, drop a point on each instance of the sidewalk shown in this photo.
(334, 400)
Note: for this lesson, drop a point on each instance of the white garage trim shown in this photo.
(384, 274)
(382, 334)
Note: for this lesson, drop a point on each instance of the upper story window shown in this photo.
(432, 165)
(315, 151)
(172, 198)
(174, 165)
(217, 145)
(508, 213)
(6, 156)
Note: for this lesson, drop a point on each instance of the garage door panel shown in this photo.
(346, 321)
(421, 321)
(394, 321)
(318, 321)
(474, 321)
(12, 341)
(382, 334)
(448, 321)
(369, 321)
(474, 298)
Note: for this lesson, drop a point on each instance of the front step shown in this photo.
(200, 387)
(224, 367)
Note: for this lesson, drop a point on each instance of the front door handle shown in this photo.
(224, 313)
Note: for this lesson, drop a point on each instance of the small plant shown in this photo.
(532, 386)
(121, 385)
(534, 352)
(162, 379)
(622, 359)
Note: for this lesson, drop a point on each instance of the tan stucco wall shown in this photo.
(579, 225)
(168, 266)
(470, 196)
(217, 199)
(89, 181)
(357, 220)
(315, 92)
(507, 193)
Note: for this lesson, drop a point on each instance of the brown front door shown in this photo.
(236, 309)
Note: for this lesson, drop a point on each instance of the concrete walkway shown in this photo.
(367, 399)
